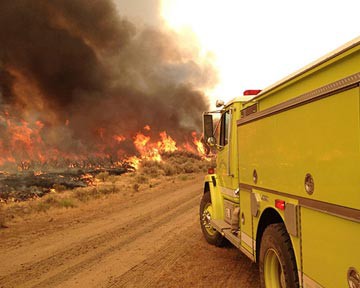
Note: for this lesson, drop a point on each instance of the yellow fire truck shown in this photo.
(286, 190)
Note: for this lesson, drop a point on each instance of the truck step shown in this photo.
(225, 229)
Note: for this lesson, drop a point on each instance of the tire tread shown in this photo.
(276, 235)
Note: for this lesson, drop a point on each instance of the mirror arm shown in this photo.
(219, 147)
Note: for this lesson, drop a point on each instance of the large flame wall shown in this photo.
(78, 79)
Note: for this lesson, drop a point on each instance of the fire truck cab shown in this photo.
(286, 186)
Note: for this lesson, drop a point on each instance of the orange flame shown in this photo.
(152, 151)
(24, 144)
(167, 144)
(119, 138)
(147, 150)
(199, 145)
(134, 162)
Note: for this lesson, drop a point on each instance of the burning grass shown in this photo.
(175, 166)
(154, 158)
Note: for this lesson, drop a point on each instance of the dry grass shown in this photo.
(2, 218)
(52, 200)
(176, 163)
(176, 166)
(103, 176)
(85, 194)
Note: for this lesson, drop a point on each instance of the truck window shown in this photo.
(224, 129)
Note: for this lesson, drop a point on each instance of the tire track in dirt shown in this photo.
(40, 231)
(187, 260)
(148, 272)
(62, 265)
(132, 236)
(147, 241)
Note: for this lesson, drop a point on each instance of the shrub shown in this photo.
(184, 177)
(112, 179)
(54, 201)
(189, 167)
(136, 187)
(42, 207)
(59, 187)
(51, 200)
(103, 176)
(2, 218)
(107, 189)
(82, 195)
(154, 184)
(66, 203)
(141, 178)
(151, 171)
(151, 168)
(85, 194)
(169, 170)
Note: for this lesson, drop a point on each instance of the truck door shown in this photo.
(227, 171)
(228, 178)
(226, 158)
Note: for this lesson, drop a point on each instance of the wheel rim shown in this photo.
(206, 218)
(273, 272)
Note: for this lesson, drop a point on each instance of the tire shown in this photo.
(211, 235)
(277, 260)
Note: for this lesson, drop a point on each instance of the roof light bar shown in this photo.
(251, 92)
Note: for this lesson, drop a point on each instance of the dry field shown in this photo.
(135, 230)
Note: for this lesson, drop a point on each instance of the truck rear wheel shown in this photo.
(211, 235)
(277, 260)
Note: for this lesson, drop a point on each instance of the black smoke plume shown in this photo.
(86, 73)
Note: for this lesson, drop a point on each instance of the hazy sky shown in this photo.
(255, 43)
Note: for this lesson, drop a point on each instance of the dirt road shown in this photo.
(149, 239)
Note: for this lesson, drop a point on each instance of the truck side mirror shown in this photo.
(211, 141)
(208, 130)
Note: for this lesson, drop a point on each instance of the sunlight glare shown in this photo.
(209, 23)
(256, 43)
